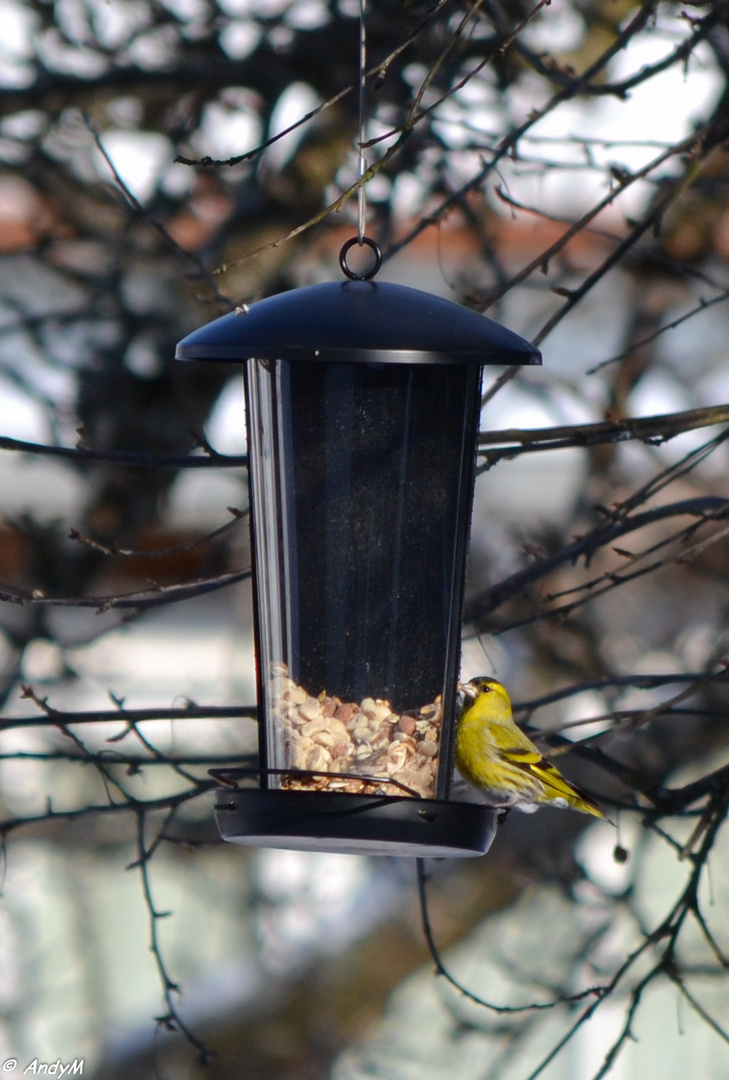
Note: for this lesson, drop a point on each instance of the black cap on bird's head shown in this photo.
(480, 684)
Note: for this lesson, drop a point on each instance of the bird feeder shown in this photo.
(363, 404)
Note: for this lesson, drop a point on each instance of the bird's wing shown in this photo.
(531, 761)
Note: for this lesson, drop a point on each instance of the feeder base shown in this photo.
(354, 824)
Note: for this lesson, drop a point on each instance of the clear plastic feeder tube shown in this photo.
(361, 487)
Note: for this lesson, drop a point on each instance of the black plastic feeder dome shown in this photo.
(362, 411)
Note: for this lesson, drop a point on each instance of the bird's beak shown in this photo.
(468, 690)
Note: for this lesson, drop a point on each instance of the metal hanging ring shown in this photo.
(346, 269)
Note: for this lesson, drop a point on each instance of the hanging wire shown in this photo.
(362, 164)
(361, 239)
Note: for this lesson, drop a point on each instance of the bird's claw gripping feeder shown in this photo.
(363, 404)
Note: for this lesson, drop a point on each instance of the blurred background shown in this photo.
(561, 167)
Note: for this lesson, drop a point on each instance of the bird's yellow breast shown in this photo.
(484, 728)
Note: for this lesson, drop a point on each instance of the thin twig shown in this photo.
(422, 878)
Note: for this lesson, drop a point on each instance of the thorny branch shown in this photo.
(160, 553)
(171, 1020)
(617, 522)
(648, 429)
(129, 459)
(152, 596)
(422, 879)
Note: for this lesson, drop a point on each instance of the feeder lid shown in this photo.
(358, 322)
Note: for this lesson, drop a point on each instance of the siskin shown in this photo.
(496, 757)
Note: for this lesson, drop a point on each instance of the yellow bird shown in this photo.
(496, 757)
